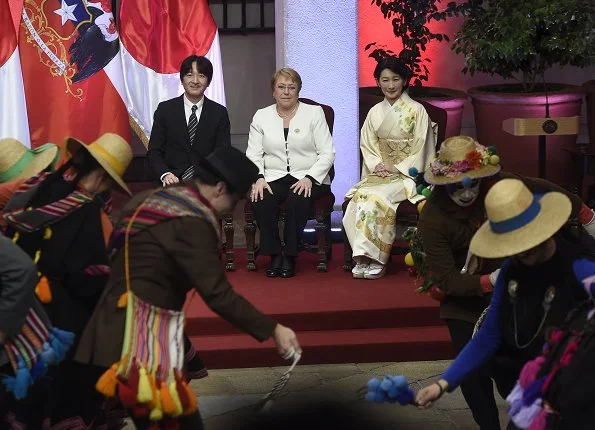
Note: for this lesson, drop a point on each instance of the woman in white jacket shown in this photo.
(291, 144)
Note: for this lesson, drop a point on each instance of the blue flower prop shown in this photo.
(392, 389)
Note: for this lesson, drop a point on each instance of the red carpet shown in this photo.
(338, 319)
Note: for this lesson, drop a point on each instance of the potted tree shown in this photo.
(410, 19)
(521, 41)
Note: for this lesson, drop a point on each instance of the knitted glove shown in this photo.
(494, 277)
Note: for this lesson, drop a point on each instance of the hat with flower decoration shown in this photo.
(462, 157)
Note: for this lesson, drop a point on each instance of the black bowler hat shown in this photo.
(233, 167)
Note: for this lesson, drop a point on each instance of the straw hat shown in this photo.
(111, 151)
(518, 220)
(460, 157)
(19, 162)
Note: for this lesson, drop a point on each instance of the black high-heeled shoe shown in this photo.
(288, 267)
(274, 269)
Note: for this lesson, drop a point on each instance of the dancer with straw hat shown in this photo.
(462, 174)
(58, 219)
(536, 287)
(19, 163)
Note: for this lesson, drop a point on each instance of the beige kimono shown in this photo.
(402, 135)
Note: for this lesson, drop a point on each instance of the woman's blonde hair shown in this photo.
(287, 72)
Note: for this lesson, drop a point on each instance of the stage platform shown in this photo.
(338, 319)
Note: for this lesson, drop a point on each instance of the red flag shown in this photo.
(65, 46)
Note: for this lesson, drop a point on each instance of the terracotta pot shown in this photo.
(493, 104)
(453, 101)
(589, 88)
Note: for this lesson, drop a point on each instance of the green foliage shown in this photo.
(522, 39)
(416, 247)
(409, 19)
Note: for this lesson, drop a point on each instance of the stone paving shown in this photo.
(228, 396)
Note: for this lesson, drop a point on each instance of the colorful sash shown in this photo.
(24, 219)
(159, 206)
(36, 347)
(148, 378)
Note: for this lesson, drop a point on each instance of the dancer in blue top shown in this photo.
(536, 287)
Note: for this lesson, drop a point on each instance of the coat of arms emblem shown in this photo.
(75, 38)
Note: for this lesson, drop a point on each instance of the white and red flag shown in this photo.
(65, 48)
(156, 36)
(13, 111)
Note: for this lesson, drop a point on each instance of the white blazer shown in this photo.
(309, 150)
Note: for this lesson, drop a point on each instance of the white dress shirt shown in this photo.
(188, 111)
(188, 108)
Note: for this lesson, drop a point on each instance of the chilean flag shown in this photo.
(156, 36)
(65, 48)
(13, 110)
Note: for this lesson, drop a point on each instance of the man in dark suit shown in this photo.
(187, 127)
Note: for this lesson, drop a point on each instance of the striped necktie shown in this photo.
(192, 126)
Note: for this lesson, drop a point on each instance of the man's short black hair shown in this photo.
(203, 64)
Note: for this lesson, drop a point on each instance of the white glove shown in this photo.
(590, 226)
(494, 277)
(471, 264)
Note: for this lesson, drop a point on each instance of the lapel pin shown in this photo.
(297, 130)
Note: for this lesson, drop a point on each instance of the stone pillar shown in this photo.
(319, 39)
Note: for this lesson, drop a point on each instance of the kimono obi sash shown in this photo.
(396, 150)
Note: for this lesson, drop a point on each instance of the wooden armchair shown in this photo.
(321, 212)
(407, 214)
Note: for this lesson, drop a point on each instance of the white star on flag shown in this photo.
(66, 12)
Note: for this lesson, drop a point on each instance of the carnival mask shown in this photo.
(464, 193)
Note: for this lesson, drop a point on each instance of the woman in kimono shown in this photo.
(396, 136)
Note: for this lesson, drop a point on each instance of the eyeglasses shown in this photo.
(290, 88)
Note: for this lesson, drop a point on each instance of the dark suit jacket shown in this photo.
(170, 149)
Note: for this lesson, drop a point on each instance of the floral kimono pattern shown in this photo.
(401, 135)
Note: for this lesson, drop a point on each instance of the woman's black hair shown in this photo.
(396, 66)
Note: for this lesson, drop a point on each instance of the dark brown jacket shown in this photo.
(447, 229)
(166, 262)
